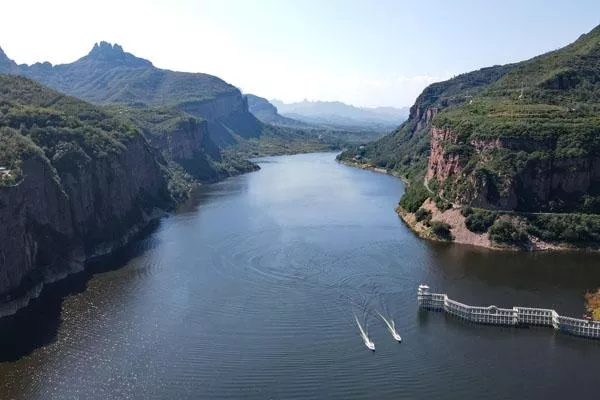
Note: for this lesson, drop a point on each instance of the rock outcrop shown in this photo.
(442, 164)
(547, 183)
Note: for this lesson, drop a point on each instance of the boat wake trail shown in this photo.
(370, 345)
(391, 327)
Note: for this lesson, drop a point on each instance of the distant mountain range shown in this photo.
(344, 130)
(267, 112)
(339, 114)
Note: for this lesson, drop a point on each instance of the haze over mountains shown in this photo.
(334, 113)
(345, 130)
(110, 76)
(268, 113)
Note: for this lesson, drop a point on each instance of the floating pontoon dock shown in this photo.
(508, 316)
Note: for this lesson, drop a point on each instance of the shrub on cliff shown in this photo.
(423, 215)
(414, 196)
(504, 232)
(479, 221)
(441, 230)
(442, 204)
(14, 148)
(566, 228)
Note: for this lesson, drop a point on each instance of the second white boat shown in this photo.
(392, 328)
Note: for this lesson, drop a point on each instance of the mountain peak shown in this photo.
(3, 57)
(6, 64)
(105, 49)
(105, 52)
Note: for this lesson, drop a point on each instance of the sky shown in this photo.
(366, 53)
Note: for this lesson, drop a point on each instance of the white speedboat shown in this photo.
(370, 345)
(392, 328)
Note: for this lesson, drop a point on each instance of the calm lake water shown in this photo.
(250, 293)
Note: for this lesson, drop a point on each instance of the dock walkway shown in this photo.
(508, 316)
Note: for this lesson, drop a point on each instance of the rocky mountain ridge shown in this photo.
(520, 143)
(109, 75)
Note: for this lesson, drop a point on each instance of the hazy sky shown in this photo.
(367, 53)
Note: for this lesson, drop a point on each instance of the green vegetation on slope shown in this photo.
(523, 137)
(166, 101)
(539, 122)
(184, 140)
(54, 124)
(279, 140)
(441, 230)
(64, 132)
(414, 196)
(14, 148)
(478, 220)
(506, 233)
(110, 76)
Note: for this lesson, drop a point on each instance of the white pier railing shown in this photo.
(508, 316)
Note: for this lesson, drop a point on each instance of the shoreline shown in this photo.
(456, 220)
(372, 168)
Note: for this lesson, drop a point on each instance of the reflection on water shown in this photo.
(250, 290)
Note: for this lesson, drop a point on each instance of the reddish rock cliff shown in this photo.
(543, 184)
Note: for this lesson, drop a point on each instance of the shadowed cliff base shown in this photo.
(37, 324)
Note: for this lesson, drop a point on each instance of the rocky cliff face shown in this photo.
(218, 108)
(189, 145)
(442, 165)
(547, 184)
(59, 216)
(35, 229)
(422, 115)
(112, 196)
(82, 183)
(227, 115)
